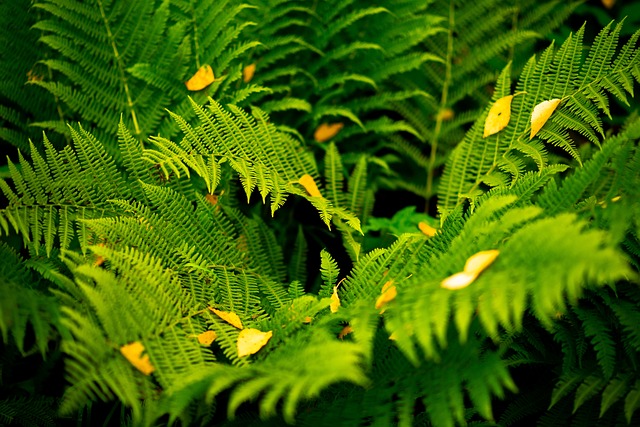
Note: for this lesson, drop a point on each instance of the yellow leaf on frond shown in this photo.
(248, 72)
(250, 341)
(335, 300)
(498, 117)
(458, 281)
(426, 229)
(309, 184)
(326, 131)
(541, 114)
(207, 337)
(388, 293)
(478, 262)
(228, 316)
(133, 353)
(201, 79)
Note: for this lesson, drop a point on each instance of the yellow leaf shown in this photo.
(133, 353)
(335, 300)
(307, 319)
(458, 281)
(541, 114)
(478, 262)
(446, 114)
(498, 117)
(608, 3)
(229, 317)
(426, 229)
(252, 340)
(326, 131)
(201, 79)
(207, 337)
(248, 72)
(389, 292)
(344, 332)
(309, 184)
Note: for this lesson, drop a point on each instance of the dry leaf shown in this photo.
(344, 332)
(309, 184)
(326, 131)
(228, 316)
(207, 337)
(387, 296)
(478, 262)
(252, 340)
(498, 117)
(212, 198)
(608, 3)
(248, 72)
(201, 79)
(541, 114)
(335, 300)
(426, 229)
(458, 281)
(133, 353)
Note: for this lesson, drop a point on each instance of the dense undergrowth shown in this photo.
(373, 213)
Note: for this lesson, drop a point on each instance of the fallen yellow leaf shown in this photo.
(458, 280)
(212, 199)
(250, 341)
(335, 300)
(326, 131)
(133, 353)
(201, 79)
(207, 337)
(248, 72)
(344, 332)
(309, 184)
(498, 117)
(426, 229)
(388, 293)
(229, 317)
(541, 114)
(478, 262)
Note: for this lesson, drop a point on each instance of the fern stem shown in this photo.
(196, 43)
(443, 103)
(123, 76)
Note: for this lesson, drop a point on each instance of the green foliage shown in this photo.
(157, 209)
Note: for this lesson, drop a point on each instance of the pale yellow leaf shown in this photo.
(326, 131)
(541, 114)
(426, 229)
(335, 300)
(309, 184)
(250, 341)
(201, 79)
(229, 317)
(248, 72)
(389, 292)
(207, 337)
(458, 281)
(478, 262)
(498, 117)
(133, 353)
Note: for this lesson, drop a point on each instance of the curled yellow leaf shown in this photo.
(228, 316)
(133, 353)
(326, 131)
(498, 117)
(250, 341)
(248, 72)
(426, 229)
(458, 280)
(309, 184)
(207, 337)
(541, 114)
(201, 79)
(478, 262)
(388, 293)
(335, 300)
